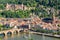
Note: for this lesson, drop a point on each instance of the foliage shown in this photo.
(0, 25)
(50, 3)
(15, 14)
(2, 6)
(40, 29)
(58, 25)
(58, 32)
(30, 3)
(0, 38)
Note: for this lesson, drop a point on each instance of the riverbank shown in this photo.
(44, 34)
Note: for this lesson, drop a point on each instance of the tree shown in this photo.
(1, 26)
(2, 6)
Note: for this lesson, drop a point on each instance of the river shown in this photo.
(24, 36)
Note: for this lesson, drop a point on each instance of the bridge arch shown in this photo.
(21, 30)
(9, 33)
(2, 34)
(15, 32)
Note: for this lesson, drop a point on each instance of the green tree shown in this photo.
(1, 26)
(2, 6)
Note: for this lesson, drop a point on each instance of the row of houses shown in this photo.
(12, 22)
(30, 21)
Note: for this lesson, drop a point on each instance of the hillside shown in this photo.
(42, 8)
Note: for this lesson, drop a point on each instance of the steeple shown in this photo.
(22, 6)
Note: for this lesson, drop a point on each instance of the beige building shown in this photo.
(15, 7)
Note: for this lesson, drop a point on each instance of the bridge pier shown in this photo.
(18, 31)
(12, 33)
(5, 33)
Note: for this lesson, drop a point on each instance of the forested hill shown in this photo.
(40, 11)
(50, 3)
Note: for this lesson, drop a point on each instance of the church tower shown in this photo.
(53, 15)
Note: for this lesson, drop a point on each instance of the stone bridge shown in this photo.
(11, 31)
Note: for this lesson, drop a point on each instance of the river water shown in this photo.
(24, 36)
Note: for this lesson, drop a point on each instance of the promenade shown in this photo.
(44, 34)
